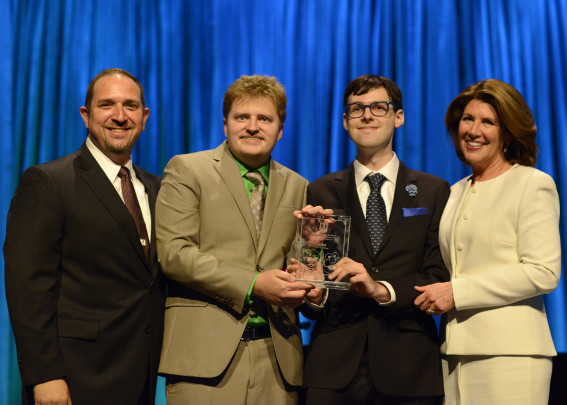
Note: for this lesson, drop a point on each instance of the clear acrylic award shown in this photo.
(321, 242)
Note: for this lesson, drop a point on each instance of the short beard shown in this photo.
(113, 149)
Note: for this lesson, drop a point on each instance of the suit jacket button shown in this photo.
(374, 269)
(148, 329)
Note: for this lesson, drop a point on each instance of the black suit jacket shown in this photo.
(84, 303)
(401, 341)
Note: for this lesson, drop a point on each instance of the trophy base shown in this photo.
(333, 285)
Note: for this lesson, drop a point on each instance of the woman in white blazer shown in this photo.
(499, 236)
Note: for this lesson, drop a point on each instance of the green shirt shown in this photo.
(264, 170)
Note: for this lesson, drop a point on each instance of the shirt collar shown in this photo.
(108, 166)
(264, 170)
(390, 171)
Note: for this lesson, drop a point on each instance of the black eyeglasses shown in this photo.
(377, 108)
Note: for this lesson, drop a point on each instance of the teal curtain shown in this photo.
(186, 53)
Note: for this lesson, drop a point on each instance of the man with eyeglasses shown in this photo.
(370, 345)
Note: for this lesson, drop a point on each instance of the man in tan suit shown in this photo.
(231, 333)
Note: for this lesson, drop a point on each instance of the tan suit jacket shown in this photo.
(207, 245)
(500, 240)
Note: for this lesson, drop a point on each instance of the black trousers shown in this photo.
(361, 391)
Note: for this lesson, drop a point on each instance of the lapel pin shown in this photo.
(411, 189)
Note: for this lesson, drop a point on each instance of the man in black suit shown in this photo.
(370, 345)
(84, 290)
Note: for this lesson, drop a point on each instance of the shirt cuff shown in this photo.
(392, 294)
(312, 305)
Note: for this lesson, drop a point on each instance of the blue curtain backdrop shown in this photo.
(186, 53)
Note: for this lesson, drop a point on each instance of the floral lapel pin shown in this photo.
(411, 189)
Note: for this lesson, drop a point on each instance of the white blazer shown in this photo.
(500, 241)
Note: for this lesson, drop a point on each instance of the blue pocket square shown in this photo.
(412, 212)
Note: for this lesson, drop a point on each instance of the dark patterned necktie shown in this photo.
(133, 206)
(376, 218)
(257, 198)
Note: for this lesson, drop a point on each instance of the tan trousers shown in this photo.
(253, 378)
(496, 380)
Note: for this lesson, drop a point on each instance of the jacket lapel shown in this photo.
(228, 170)
(276, 188)
(348, 197)
(93, 175)
(458, 192)
(152, 196)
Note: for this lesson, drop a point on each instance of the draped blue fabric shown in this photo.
(186, 53)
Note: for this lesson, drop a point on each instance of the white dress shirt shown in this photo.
(390, 171)
(111, 170)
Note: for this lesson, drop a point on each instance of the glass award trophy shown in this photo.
(321, 242)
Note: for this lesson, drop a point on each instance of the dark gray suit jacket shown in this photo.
(401, 341)
(84, 303)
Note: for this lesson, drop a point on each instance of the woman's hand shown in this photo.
(435, 298)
